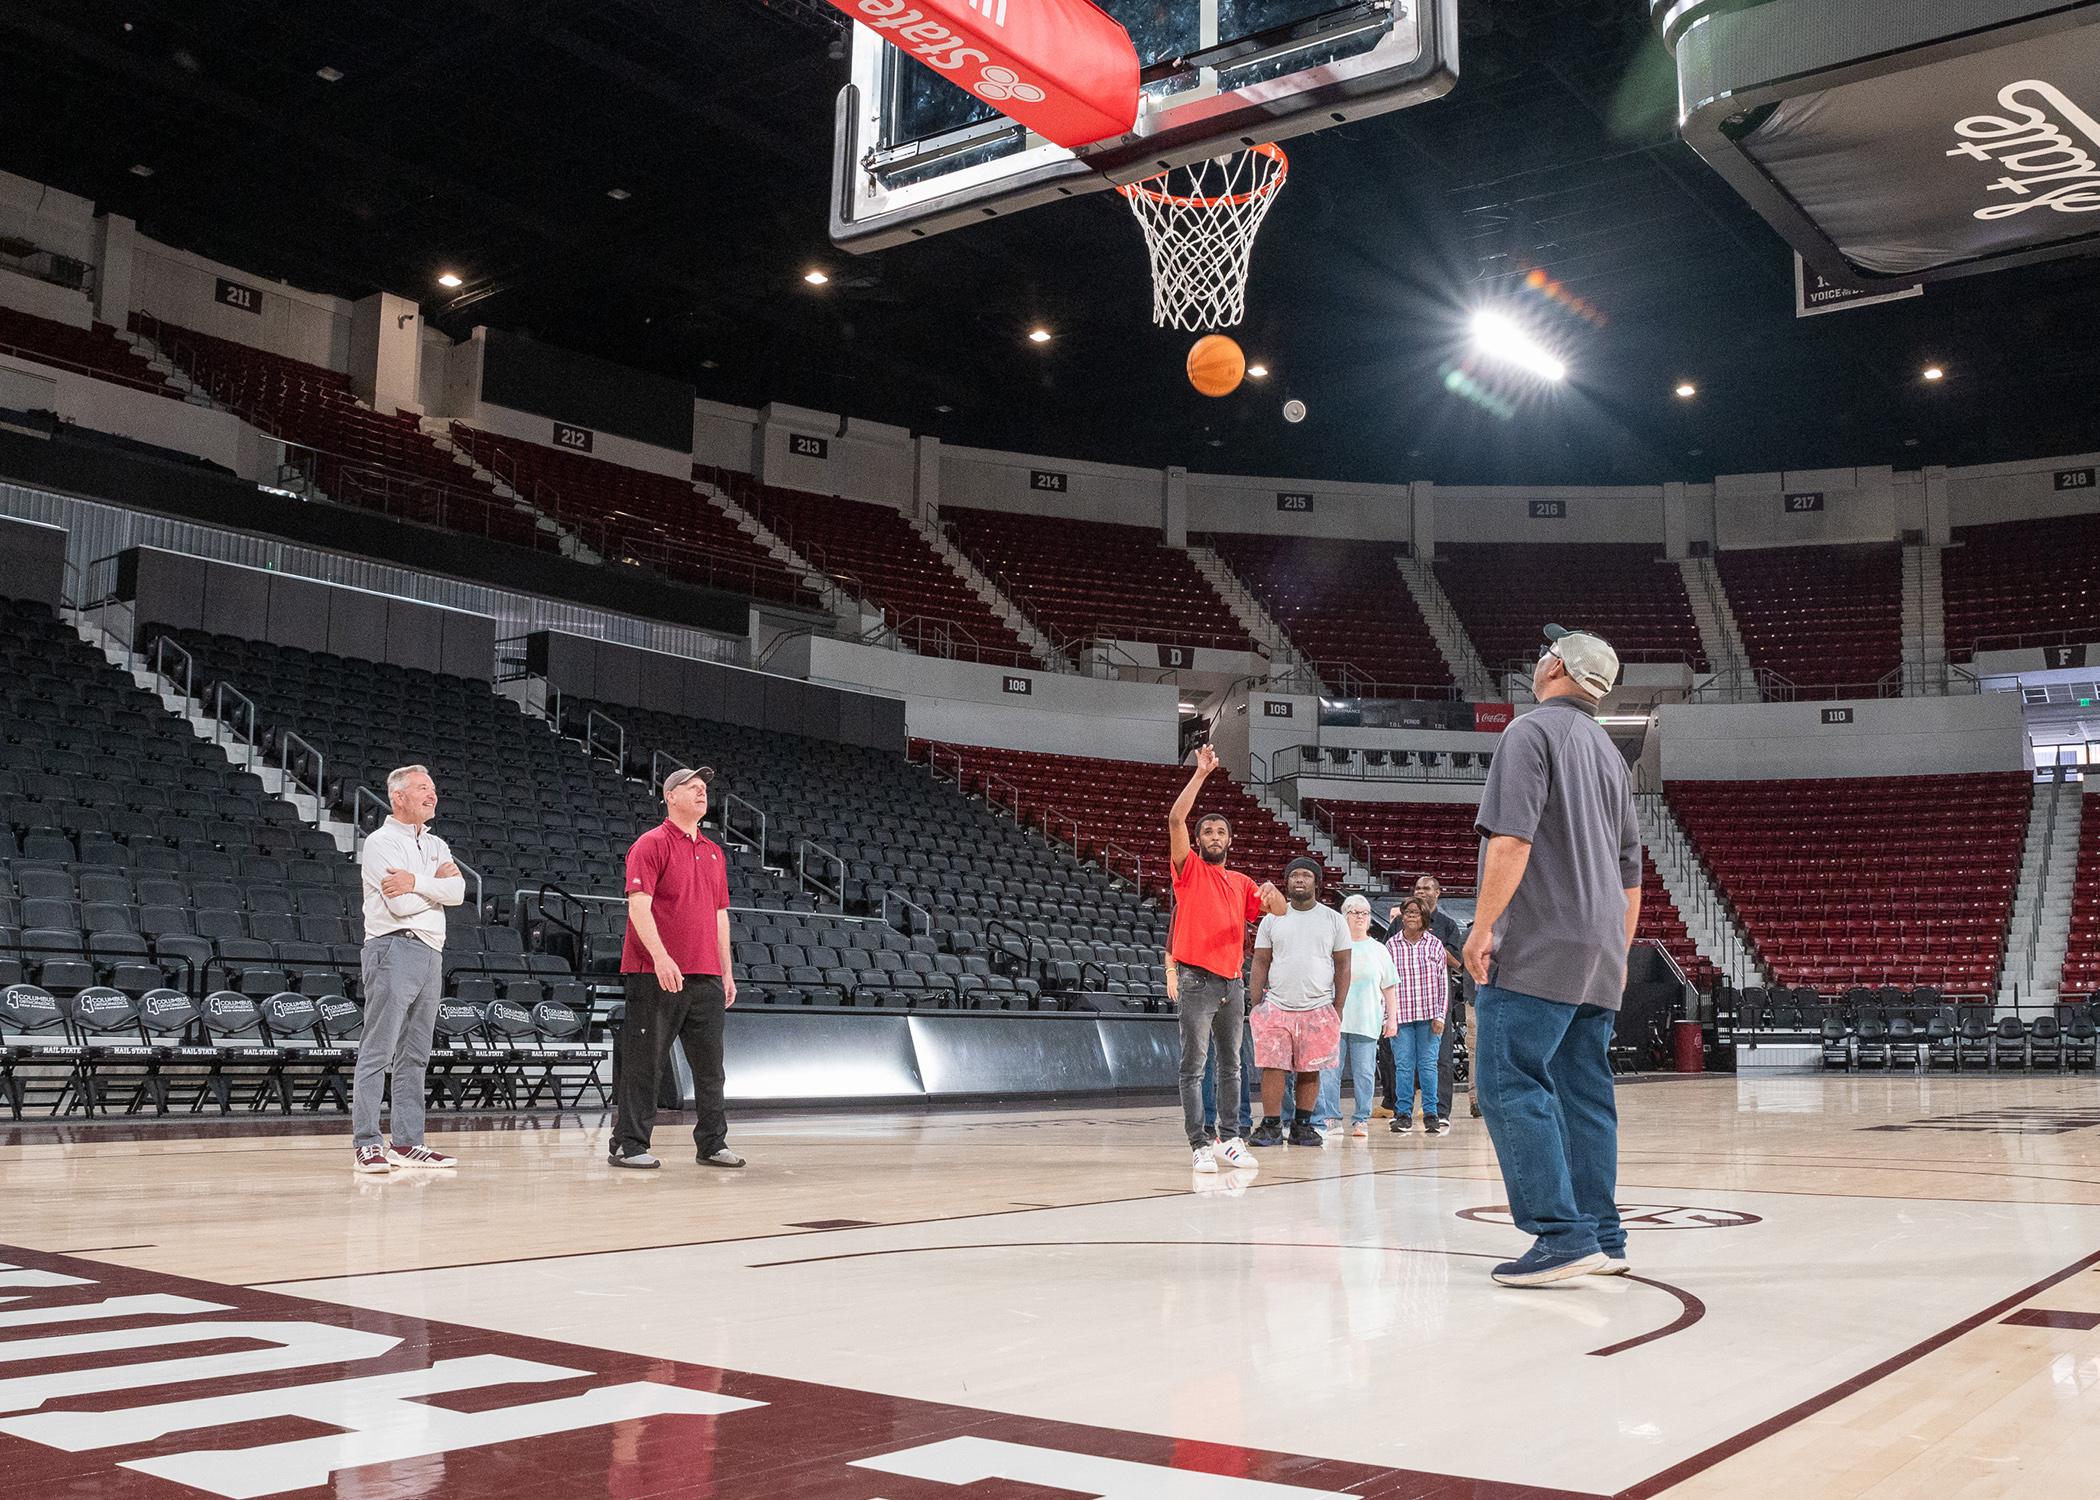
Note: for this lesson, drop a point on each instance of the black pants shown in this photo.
(1385, 1073)
(693, 1016)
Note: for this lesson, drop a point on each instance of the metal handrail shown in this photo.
(1109, 853)
(803, 848)
(2041, 889)
(468, 870)
(219, 692)
(592, 748)
(1028, 944)
(359, 796)
(933, 769)
(657, 761)
(925, 916)
(165, 643)
(288, 738)
(731, 801)
(992, 781)
(1052, 815)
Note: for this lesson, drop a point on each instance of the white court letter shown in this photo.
(296, 1346)
(383, 1427)
(969, 1460)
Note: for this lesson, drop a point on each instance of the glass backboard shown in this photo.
(915, 155)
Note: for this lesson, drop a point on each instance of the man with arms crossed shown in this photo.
(1212, 907)
(409, 879)
(676, 968)
(1301, 980)
(1560, 896)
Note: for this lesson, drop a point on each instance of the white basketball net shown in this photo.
(1199, 223)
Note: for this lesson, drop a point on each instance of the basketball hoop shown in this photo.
(1199, 223)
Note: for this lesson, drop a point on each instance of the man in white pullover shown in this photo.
(409, 879)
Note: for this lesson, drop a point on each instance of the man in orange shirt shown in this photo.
(1212, 907)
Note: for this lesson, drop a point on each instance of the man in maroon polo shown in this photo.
(676, 968)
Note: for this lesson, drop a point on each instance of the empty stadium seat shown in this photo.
(1630, 594)
(1901, 881)
(95, 351)
(874, 552)
(1827, 619)
(1345, 606)
(2021, 583)
(1096, 580)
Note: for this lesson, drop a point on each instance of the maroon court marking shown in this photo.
(803, 1442)
(837, 1224)
(1691, 1309)
(2052, 1317)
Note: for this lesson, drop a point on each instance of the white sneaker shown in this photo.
(1234, 1154)
(1614, 1265)
(1203, 1160)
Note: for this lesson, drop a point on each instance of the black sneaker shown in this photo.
(1476, 1109)
(1266, 1134)
(1304, 1134)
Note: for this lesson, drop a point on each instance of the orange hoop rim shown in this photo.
(1270, 149)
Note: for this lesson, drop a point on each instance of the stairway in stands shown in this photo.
(1708, 922)
(1471, 674)
(1722, 638)
(2040, 931)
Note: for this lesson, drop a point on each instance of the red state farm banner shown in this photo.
(1064, 68)
(1493, 718)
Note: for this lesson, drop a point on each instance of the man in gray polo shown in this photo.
(1560, 896)
(409, 880)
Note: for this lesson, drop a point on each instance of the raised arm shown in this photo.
(1178, 814)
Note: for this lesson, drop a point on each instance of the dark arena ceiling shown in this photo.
(488, 137)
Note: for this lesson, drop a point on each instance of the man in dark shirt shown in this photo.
(676, 968)
(1560, 896)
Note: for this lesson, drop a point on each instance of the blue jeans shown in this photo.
(1414, 1064)
(1210, 1092)
(1544, 1082)
(1360, 1057)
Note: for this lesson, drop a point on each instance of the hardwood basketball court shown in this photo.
(1843, 1286)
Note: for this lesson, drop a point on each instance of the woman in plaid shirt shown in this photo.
(1424, 1001)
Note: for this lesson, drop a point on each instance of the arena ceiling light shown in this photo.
(815, 278)
(1038, 335)
(1934, 372)
(329, 75)
(1257, 372)
(449, 280)
(1500, 337)
(140, 169)
(618, 195)
(1686, 390)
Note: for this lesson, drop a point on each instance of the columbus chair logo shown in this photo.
(2045, 145)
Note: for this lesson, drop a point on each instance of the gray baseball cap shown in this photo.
(1589, 658)
(683, 774)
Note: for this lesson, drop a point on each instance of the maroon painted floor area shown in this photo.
(803, 1443)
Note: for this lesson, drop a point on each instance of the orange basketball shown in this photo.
(1216, 365)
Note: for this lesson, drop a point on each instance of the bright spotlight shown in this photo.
(1934, 372)
(1497, 336)
(1686, 390)
(449, 280)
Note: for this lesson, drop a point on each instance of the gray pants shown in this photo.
(1213, 1014)
(403, 975)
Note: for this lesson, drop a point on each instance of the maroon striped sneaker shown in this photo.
(420, 1156)
(373, 1159)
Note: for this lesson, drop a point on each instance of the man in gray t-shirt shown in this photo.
(1560, 895)
(1301, 978)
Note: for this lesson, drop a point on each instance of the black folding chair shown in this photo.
(109, 1025)
(565, 1042)
(232, 1023)
(37, 1040)
(293, 1022)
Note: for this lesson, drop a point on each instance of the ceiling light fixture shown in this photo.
(140, 169)
(944, 408)
(329, 75)
(1934, 372)
(618, 195)
(1686, 390)
(1500, 338)
(449, 280)
(1038, 335)
(815, 278)
(1257, 372)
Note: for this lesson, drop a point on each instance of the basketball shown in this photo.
(1216, 365)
